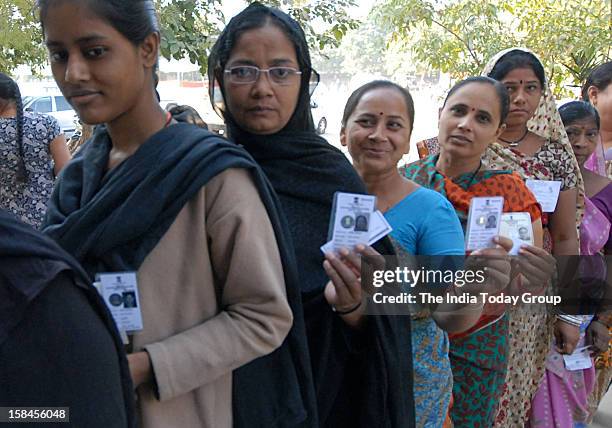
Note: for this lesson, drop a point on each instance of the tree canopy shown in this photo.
(459, 36)
(189, 28)
(20, 36)
(453, 36)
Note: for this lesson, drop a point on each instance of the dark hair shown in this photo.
(9, 90)
(356, 96)
(578, 110)
(185, 113)
(134, 19)
(600, 77)
(518, 59)
(500, 90)
(252, 17)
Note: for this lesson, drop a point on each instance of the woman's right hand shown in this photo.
(343, 291)
(566, 337)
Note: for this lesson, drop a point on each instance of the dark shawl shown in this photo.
(30, 265)
(111, 220)
(361, 378)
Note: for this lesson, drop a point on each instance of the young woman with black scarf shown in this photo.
(361, 365)
(189, 213)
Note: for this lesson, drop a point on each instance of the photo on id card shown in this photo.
(483, 222)
(379, 228)
(517, 226)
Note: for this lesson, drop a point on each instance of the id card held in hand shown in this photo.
(379, 228)
(483, 222)
(580, 359)
(517, 226)
(351, 219)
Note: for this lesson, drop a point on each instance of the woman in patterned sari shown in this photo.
(472, 117)
(562, 397)
(535, 145)
(597, 90)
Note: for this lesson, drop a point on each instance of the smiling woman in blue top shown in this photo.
(376, 127)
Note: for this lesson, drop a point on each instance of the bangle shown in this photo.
(570, 319)
(348, 311)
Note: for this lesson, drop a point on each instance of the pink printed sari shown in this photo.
(562, 399)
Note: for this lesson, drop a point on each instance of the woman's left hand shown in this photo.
(537, 266)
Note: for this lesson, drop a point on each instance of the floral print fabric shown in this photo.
(27, 201)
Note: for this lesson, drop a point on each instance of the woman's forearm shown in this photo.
(563, 225)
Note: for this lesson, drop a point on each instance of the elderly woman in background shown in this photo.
(562, 397)
(597, 90)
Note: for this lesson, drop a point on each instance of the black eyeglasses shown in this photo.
(244, 74)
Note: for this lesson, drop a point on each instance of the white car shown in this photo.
(56, 106)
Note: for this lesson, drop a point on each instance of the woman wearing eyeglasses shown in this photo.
(360, 364)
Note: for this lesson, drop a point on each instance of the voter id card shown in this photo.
(483, 222)
(580, 359)
(119, 290)
(517, 226)
(379, 228)
(350, 221)
(546, 193)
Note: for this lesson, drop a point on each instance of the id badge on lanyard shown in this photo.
(119, 290)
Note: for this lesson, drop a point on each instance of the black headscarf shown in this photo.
(255, 16)
(361, 379)
(110, 221)
(29, 263)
